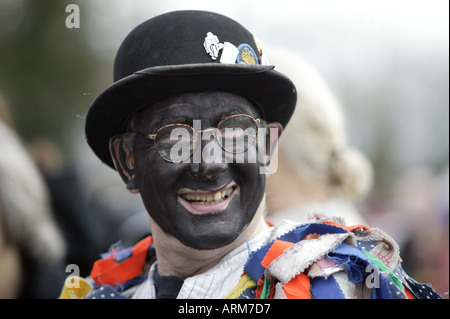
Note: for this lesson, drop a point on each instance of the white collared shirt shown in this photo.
(214, 283)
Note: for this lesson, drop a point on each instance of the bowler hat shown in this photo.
(185, 52)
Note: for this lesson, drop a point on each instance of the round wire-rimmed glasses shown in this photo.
(177, 142)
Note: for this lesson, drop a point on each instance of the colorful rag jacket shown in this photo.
(318, 260)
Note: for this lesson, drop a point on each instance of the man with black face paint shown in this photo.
(190, 124)
(232, 192)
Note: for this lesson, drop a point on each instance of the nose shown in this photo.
(209, 160)
(209, 171)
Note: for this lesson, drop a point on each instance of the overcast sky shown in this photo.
(386, 61)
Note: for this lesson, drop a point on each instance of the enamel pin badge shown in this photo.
(246, 55)
(229, 53)
(212, 45)
(243, 54)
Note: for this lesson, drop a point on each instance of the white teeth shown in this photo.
(207, 198)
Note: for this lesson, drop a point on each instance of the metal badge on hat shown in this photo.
(212, 45)
(244, 54)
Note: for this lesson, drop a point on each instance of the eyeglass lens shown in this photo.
(177, 142)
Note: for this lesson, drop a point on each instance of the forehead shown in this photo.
(187, 107)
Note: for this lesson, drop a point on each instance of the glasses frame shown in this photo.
(196, 133)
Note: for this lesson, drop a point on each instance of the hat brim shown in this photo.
(271, 91)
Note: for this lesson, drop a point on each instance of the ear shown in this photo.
(123, 161)
(272, 134)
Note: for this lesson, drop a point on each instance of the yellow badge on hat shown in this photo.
(246, 55)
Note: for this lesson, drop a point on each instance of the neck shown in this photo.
(176, 259)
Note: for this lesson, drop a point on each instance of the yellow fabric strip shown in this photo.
(75, 287)
(244, 283)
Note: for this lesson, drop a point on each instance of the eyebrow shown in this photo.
(236, 108)
(233, 107)
(166, 119)
(153, 127)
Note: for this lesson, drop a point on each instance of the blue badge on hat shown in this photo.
(246, 55)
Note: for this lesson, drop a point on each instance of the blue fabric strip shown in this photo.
(253, 267)
(322, 288)
(383, 291)
(420, 290)
(106, 292)
(354, 261)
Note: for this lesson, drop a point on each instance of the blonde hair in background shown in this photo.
(315, 141)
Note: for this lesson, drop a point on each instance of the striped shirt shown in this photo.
(214, 283)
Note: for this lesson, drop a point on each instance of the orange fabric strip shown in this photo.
(259, 288)
(298, 287)
(277, 248)
(408, 294)
(107, 271)
(348, 228)
(268, 222)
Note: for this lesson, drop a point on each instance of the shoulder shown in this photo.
(327, 259)
(116, 275)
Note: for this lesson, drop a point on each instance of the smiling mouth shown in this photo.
(203, 202)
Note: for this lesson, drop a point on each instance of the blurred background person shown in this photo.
(32, 249)
(318, 172)
(419, 226)
(82, 226)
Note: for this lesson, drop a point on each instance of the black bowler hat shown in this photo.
(184, 52)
